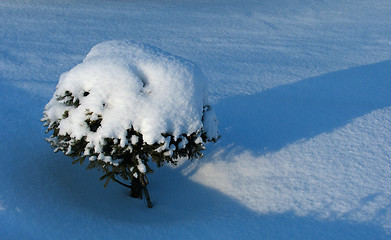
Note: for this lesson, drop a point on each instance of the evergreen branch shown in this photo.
(123, 184)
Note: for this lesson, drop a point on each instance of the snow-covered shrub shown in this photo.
(127, 105)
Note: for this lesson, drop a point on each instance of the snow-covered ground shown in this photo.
(301, 90)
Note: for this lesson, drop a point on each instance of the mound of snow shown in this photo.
(129, 85)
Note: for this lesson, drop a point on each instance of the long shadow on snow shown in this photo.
(272, 119)
(53, 194)
(183, 209)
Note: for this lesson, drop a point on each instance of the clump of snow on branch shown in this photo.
(124, 85)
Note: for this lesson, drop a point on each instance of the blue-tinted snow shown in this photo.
(301, 90)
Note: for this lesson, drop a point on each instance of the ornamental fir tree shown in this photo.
(127, 105)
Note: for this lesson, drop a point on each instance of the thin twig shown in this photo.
(146, 193)
(123, 184)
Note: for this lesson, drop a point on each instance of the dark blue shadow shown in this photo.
(270, 120)
(55, 196)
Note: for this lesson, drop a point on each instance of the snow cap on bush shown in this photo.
(128, 92)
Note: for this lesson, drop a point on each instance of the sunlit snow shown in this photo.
(130, 85)
(301, 89)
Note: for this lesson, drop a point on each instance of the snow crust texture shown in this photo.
(122, 85)
(301, 89)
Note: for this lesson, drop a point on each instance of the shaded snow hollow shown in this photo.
(132, 85)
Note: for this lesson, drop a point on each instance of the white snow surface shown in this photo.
(301, 89)
(132, 85)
